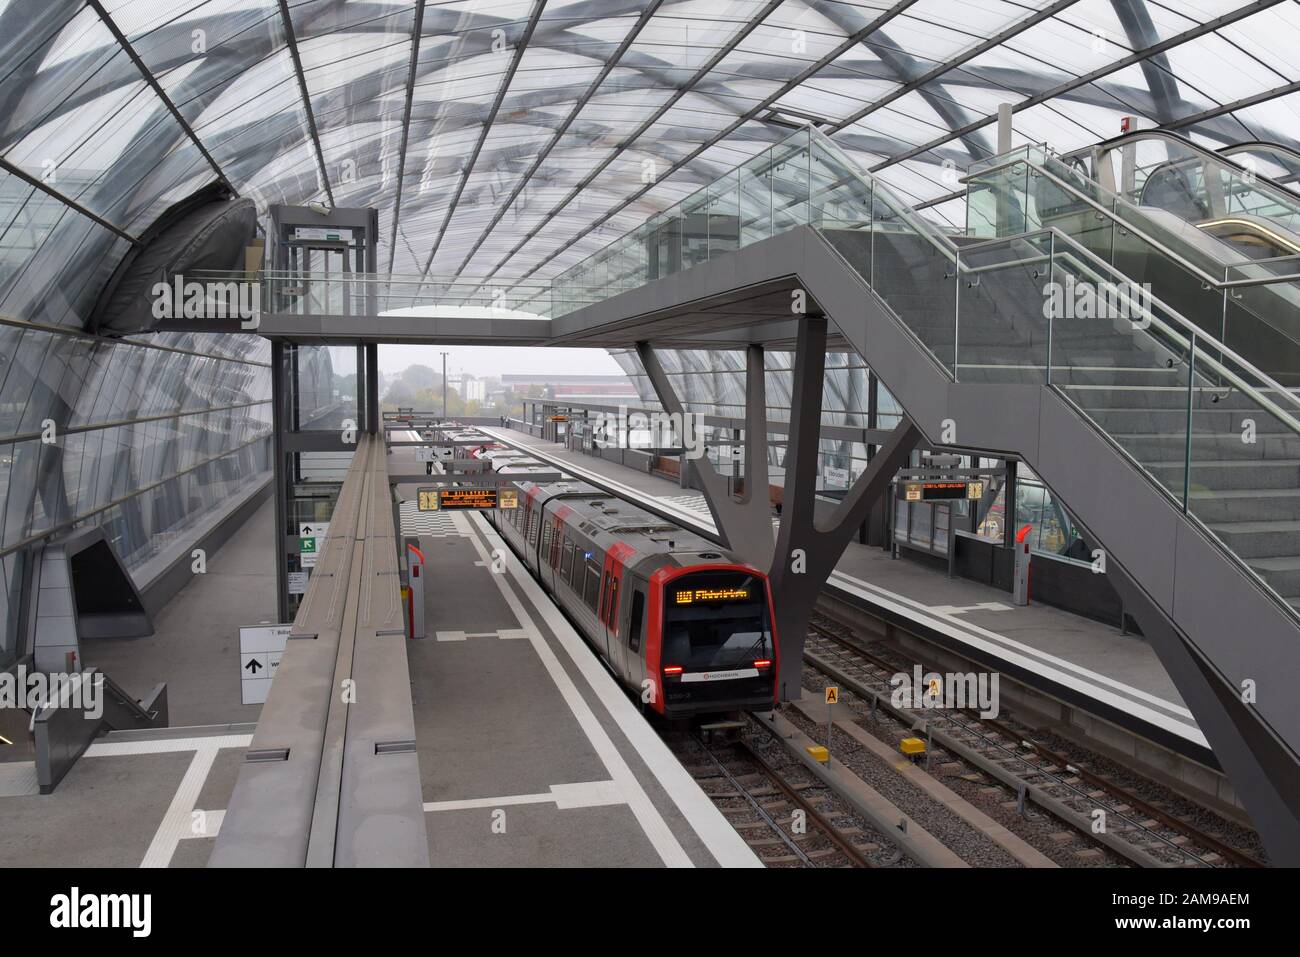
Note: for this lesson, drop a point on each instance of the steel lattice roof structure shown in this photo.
(512, 138)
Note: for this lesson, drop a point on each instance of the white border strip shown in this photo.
(722, 840)
(652, 823)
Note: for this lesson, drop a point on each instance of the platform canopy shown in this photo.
(512, 138)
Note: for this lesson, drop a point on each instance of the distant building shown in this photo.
(576, 387)
(471, 388)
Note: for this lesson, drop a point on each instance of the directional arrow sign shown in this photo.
(260, 648)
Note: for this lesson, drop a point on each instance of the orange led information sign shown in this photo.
(467, 498)
(433, 499)
(931, 491)
(689, 596)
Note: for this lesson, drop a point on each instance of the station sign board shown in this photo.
(310, 537)
(455, 498)
(434, 500)
(260, 650)
(942, 490)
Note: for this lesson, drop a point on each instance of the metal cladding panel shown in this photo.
(322, 782)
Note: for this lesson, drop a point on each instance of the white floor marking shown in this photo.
(962, 609)
(177, 821)
(565, 797)
(212, 821)
(651, 821)
(722, 840)
(505, 634)
(108, 749)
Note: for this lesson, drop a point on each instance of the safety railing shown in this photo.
(1251, 304)
(1039, 306)
(368, 294)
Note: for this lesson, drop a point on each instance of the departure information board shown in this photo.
(940, 491)
(467, 498)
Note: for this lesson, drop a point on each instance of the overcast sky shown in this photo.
(498, 360)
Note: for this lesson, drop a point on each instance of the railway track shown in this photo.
(1106, 812)
(788, 817)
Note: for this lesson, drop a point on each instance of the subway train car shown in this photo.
(669, 612)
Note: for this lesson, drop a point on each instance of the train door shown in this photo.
(611, 601)
(552, 557)
(635, 634)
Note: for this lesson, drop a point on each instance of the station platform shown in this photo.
(530, 754)
(131, 800)
(1078, 661)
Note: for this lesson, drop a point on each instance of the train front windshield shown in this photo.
(717, 621)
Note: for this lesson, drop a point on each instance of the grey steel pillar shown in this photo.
(372, 387)
(744, 522)
(1261, 767)
(812, 535)
(279, 472)
(809, 544)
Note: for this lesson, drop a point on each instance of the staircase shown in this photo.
(1180, 459)
(1131, 383)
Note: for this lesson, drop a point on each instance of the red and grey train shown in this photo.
(669, 612)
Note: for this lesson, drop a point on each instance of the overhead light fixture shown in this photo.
(794, 119)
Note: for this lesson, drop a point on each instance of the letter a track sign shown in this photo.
(832, 694)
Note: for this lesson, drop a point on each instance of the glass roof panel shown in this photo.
(530, 175)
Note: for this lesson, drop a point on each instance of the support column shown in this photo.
(744, 522)
(1261, 767)
(279, 476)
(812, 539)
(372, 387)
(813, 535)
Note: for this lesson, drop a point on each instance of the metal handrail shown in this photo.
(1188, 327)
(1205, 277)
(1183, 332)
(1287, 197)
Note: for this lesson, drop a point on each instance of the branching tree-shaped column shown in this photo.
(812, 535)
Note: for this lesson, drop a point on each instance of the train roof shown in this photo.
(609, 519)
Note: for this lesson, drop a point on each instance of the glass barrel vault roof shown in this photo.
(513, 138)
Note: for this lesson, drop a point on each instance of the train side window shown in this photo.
(566, 569)
(604, 599)
(638, 609)
(546, 535)
(591, 587)
(611, 614)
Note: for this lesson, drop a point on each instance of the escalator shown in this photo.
(1226, 194)
(1215, 240)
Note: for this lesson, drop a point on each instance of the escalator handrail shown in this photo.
(1183, 331)
(1264, 146)
(1210, 281)
(1285, 196)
